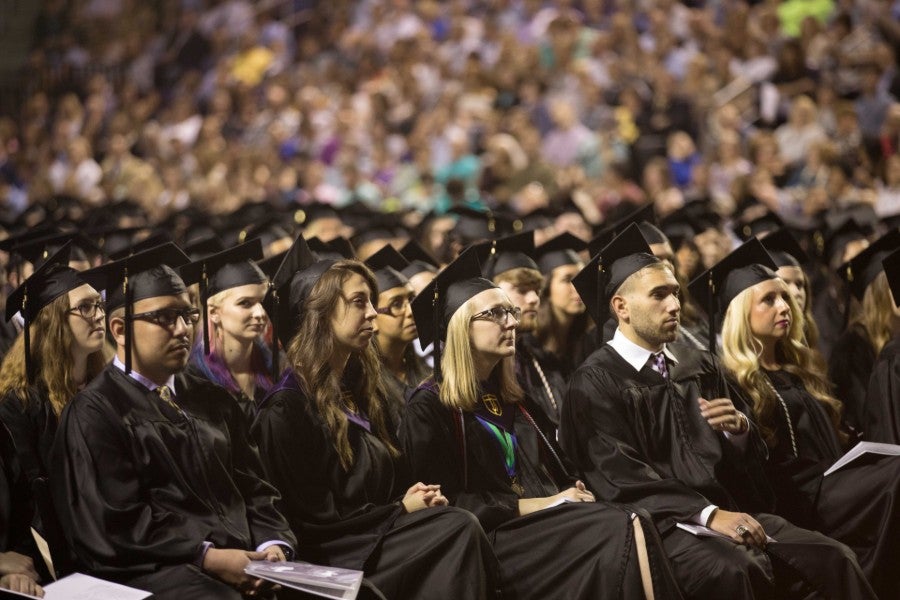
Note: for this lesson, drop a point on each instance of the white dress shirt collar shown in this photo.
(635, 355)
(143, 380)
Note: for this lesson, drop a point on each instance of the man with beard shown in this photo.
(153, 476)
(648, 422)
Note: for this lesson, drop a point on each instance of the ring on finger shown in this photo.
(742, 530)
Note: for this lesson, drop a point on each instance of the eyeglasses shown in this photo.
(396, 308)
(498, 314)
(88, 310)
(167, 317)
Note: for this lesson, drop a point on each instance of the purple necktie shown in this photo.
(658, 364)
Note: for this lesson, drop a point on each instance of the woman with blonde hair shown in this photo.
(472, 430)
(326, 439)
(853, 357)
(764, 351)
(232, 352)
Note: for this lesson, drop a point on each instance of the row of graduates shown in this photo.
(487, 441)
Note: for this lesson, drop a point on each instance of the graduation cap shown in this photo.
(621, 258)
(758, 226)
(860, 271)
(456, 284)
(48, 282)
(474, 225)
(645, 218)
(714, 289)
(388, 265)
(508, 253)
(540, 218)
(146, 274)
(305, 215)
(204, 245)
(839, 233)
(270, 229)
(157, 238)
(561, 250)
(891, 265)
(37, 250)
(114, 239)
(228, 269)
(419, 259)
(292, 281)
(339, 248)
(691, 219)
(784, 249)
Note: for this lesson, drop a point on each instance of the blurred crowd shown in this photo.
(414, 106)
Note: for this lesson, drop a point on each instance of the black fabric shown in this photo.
(169, 480)
(559, 251)
(16, 507)
(849, 369)
(575, 551)
(640, 439)
(856, 505)
(352, 518)
(397, 392)
(861, 270)
(47, 283)
(555, 371)
(32, 423)
(387, 264)
(882, 406)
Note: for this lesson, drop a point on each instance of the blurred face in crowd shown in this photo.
(795, 280)
(395, 319)
(562, 294)
(524, 292)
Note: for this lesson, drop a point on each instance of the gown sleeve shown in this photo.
(882, 422)
(434, 452)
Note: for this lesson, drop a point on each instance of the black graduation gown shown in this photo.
(248, 405)
(32, 423)
(16, 508)
(397, 391)
(882, 422)
(546, 392)
(856, 505)
(583, 550)
(640, 439)
(849, 368)
(353, 519)
(140, 487)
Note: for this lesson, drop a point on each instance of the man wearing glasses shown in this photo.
(152, 473)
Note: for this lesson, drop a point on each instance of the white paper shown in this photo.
(863, 448)
(328, 582)
(701, 531)
(79, 586)
(559, 502)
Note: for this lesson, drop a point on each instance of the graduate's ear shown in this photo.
(214, 315)
(619, 306)
(117, 329)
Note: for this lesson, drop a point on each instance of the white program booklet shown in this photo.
(863, 448)
(701, 531)
(328, 582)
(78, 586)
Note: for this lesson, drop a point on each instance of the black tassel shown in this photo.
(129, 330)
(29, 366)
(438, 329)
(275, 321)
(713, 310)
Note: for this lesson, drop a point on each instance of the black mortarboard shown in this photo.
(474, 225)
(48, 282)
(860, 271)
(561, 250)
(338, 249)
(433, 307)
(784, 249)
(203, 245)
(645, 218)
(714, 290)
(891, 266)
(292, 282)
(228, 269)
(759, 225)
(540, 218)
(388, 264)
(155, 239)
(378, 228)
(270, 229)
(839, 233)
(37, 250)
(146, 274)
(621, 258)
(305, 214)
(510, 252)
(691, 219)
(113, 240)
(419, 259)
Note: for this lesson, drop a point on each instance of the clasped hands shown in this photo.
(721, 415)
(421, 496)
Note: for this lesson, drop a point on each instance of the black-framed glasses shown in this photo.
(396, 307)
(88, 310)
(498, 314)
(167, 317)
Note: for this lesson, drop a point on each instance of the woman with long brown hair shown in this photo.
(766, 355)
(473, 430)
(62, 351)
(326, 439)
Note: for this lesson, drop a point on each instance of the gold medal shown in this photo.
(490, 403)
(517, 487)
